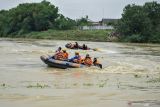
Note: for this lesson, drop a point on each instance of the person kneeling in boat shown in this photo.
(76, 59)
(87, 60)
(57, 52)
(62, 55)
(58, 56)
(97, 63)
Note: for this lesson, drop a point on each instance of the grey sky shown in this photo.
(95, 9)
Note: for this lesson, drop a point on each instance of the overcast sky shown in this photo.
(95, 9)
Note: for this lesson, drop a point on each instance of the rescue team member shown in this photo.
(62, 55)
(76, 45)
(84, 47)
(59, 55)
(76, 59)
(88, 60)
(59, 50)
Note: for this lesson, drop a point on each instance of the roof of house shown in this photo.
(108, 20)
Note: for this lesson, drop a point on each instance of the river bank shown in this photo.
(77, 35)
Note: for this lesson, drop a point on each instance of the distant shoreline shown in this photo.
(70, 35)
(73, 35)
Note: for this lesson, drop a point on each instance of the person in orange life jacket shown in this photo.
(97, 63)
(88, 60)
(56, 52)
(76, 58)
(59, 55)
(65, 54)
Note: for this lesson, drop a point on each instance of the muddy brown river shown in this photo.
(130, 76)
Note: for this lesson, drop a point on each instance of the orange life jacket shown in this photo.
(59, 56)
(88, 61)
(65, 55)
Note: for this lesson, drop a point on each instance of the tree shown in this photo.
(28, 17)
(63, 23)
(153, 12)
(83, 21)
(140, 21)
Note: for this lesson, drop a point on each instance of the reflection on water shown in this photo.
(130, 76)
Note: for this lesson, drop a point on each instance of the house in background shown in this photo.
(104, 24)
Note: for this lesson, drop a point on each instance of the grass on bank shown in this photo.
(81, 35)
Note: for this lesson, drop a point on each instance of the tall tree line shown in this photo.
(140, 23)
(30, 17)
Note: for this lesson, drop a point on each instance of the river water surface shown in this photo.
(130, 76)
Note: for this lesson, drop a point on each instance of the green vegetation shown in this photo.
(88, 84)
(83, 21)
(137, 76)
(155, 80)
(101, 85)
(3, 85)
(81, 35)
(140, 23)
(38, 85)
